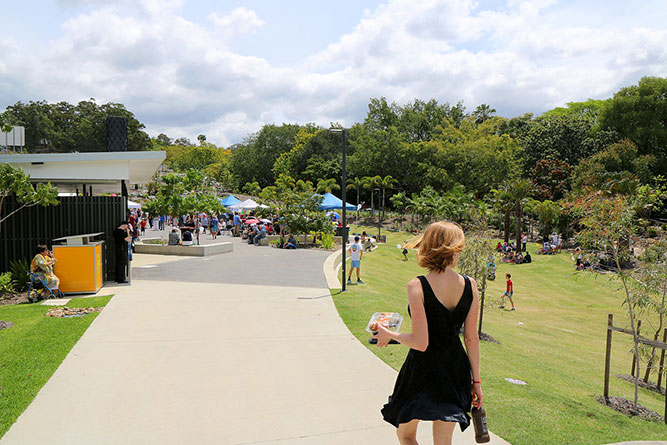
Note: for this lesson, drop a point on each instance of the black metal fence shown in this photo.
(77, 215)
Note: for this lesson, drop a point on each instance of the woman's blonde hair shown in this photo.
(438, 245)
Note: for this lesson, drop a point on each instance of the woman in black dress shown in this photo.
(439, 379)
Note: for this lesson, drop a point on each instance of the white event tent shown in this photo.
(248, 204)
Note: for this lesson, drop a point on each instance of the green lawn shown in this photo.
(555, 342)
(32, 350)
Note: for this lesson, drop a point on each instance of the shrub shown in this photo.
(6, 285)
(19, 272)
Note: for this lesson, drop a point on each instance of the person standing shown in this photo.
(237, 224)
(121, 237)
(214, 226)
(439, 380)
(509, 292)
(356, 251)
(524, 241)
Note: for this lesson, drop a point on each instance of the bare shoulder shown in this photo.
(414, 285)
(473, 282)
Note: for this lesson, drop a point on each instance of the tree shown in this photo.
(163, 140)
(327, 185)
(618, 160)
(606, 223)
(399, 203)
(202, 139)
(503, 201)
(474, 261)
(385, 183)
(181, 194)
(372, 183)
(356, 184)
(482, 113)
(567, 138)
(551, 179)
(651, 280)
(547, 212)
(519, 191)
(639, 113)
(252, 188)
(63, 127)
(13, 181)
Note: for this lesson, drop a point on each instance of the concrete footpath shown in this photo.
(173, 361)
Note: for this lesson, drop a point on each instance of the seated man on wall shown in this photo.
(260, 235)
(174, 237)
(187, 238)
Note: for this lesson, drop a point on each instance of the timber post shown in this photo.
(607, 359)
(662, 361)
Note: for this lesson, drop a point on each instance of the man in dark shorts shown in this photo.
(121, 237)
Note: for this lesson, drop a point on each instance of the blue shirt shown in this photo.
(237, 220)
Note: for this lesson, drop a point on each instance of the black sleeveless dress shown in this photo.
(435, 384)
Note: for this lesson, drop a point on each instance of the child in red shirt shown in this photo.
(508, 293)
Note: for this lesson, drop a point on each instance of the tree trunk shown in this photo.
(356, 217)
(518, 217)
(651, 361)
(372, 194)
(507, 226)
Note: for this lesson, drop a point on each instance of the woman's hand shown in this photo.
(383, 336)
(477, 395)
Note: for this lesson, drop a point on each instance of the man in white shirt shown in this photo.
(356, 251)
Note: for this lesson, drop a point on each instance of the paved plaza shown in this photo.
(239, 348)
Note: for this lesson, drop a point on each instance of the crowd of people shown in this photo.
(513, 255)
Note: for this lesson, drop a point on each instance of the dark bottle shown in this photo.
(479, 422)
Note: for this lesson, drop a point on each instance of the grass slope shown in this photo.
(32, 350)
(558, 349)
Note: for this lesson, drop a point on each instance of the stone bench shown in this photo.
(201, 250)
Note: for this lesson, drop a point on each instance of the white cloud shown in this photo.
(181, 78)
(239, 21)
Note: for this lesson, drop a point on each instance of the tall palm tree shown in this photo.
(502, 200)
(519, 190)
(327, 185)
(369, 184)
(356, 184)
(385, 183)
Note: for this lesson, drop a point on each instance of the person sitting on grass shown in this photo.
(519, 258)
(527, 258)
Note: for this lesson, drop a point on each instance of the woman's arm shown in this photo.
(418, 339)
(471, 339)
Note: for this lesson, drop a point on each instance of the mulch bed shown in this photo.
(625, 406)
(66, 312)
(8, 299)
(5, 324)
(650, 385)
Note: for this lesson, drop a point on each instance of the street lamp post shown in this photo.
(344, 197)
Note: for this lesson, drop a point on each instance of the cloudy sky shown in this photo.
(224, 68)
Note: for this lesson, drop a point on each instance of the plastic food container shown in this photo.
(390, 320)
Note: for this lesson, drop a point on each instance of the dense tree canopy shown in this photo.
(63, 127)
